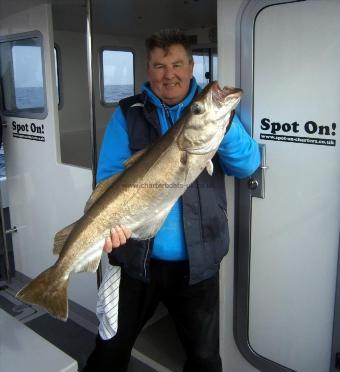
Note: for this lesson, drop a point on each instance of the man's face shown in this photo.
(169, 73)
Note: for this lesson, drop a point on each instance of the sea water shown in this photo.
(33, 97)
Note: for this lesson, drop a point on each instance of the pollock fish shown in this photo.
(139, 198)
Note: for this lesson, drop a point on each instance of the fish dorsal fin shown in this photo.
(61, 237)
(100, 190)
(133, 159)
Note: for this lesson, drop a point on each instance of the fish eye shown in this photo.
(197, 108)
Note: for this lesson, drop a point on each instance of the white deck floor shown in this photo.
(21, 350)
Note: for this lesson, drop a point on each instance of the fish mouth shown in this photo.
(220, 96)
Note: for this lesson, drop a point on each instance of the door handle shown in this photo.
(256, 182)
(12, 230)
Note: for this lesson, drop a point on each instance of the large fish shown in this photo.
(140, 198)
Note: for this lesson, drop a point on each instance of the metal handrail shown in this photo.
(90, 73)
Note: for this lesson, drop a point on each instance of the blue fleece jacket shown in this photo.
(238, 154)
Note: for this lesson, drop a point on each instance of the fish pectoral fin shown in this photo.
(151, 227)
(100, 190)
(184, 158)
(210, 167)
(133, 159)
(189, 158)
(61, 237)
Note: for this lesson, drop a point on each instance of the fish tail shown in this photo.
(49, 291)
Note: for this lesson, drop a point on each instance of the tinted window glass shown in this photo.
(201, 67)
(206, 65)
(117, 75)
(22, 77)
(27, 75)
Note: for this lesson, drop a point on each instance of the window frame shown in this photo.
(58, 68)
(101, 72)
(25, 113)
(209, 51)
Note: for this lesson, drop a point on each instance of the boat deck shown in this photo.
(76, 337)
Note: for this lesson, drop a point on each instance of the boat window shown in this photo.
(201, 68)
(57, 63)
(22, 76)
(205, 65)
(117, 75)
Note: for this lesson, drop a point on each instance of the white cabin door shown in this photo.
(44, 194)
(288, 232)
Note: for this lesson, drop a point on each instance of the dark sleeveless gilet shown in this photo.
(204, 206)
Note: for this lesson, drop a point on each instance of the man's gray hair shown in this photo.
(165, 39)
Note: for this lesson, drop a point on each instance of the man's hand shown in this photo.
(119, 236)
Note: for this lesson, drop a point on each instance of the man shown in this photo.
(180, 265)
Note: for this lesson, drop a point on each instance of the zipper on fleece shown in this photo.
(146, 256)
(168, 117)
(199, 210)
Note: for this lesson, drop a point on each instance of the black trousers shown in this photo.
(194, 309)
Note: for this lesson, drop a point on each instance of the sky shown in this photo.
(27, 66)
(118, 67)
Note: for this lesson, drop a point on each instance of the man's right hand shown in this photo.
(119, 236)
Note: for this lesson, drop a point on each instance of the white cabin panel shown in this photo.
(74, 116)
(133, 44)
(74, 111)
